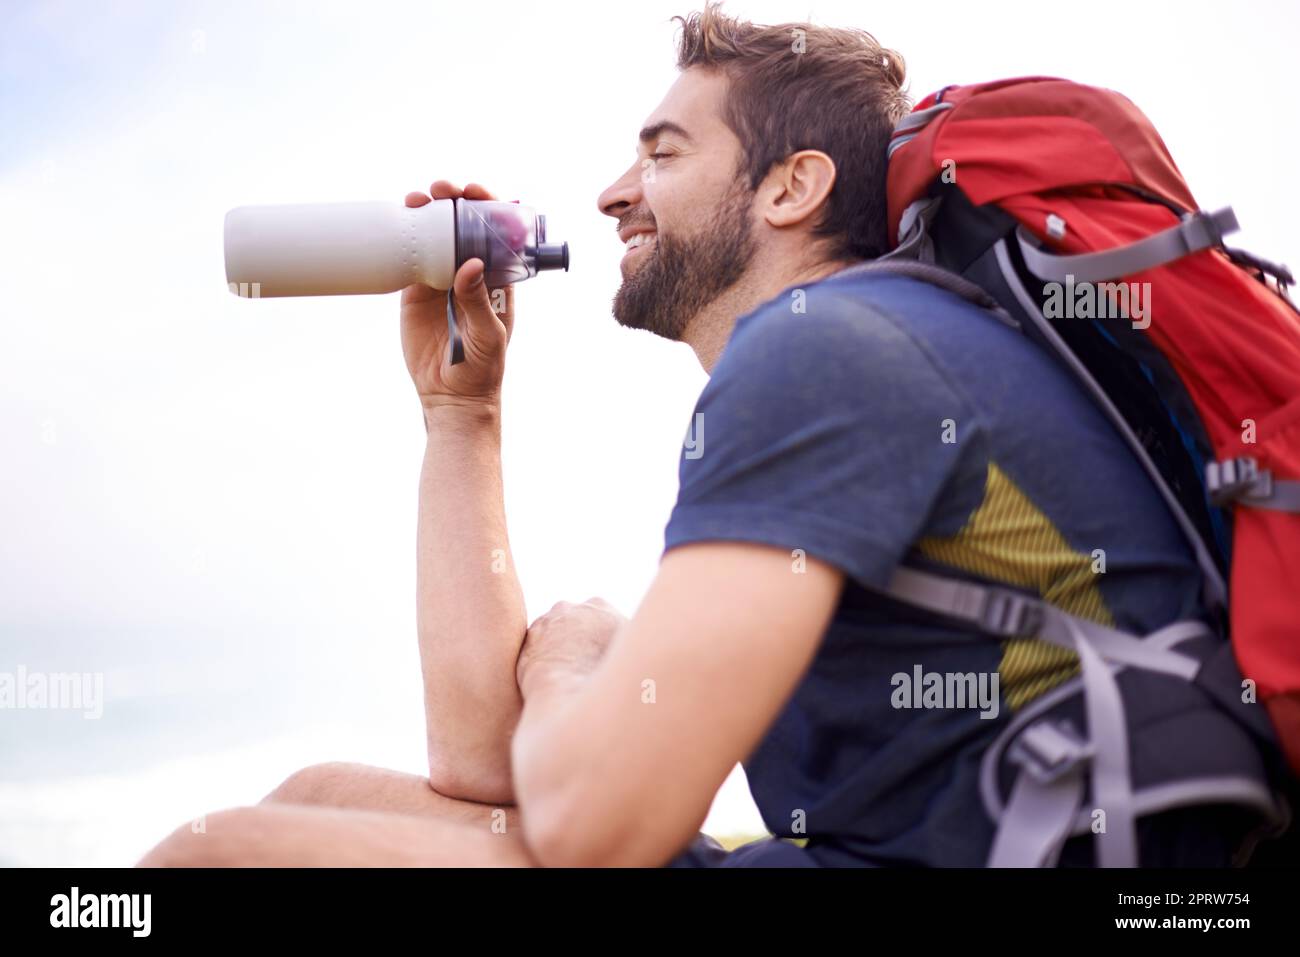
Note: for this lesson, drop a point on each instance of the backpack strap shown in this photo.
(1008, 613)
(1240, 482)
(1046, 799)
(1046, 806)
(910, 126)
(1057, 765)
(1197, 231)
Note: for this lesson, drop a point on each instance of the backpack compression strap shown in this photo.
(1240, 482)
(1197, 231)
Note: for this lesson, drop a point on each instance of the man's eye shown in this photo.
(656, 156)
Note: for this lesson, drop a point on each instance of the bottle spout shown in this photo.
(552, 256)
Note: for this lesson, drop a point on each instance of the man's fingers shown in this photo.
(478, 191)
(443, 189)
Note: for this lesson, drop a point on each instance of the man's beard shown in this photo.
(682, 276)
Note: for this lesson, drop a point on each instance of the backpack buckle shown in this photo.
(1204, 230)
(1048, 750)
(1010, 614)
(1238, 478)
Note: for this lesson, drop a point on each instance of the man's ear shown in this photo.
(795, 189)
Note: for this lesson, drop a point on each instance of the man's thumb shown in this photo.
(474, 303)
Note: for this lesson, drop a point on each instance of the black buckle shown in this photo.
(1231, 479)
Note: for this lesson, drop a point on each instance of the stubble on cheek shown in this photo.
(678, 277)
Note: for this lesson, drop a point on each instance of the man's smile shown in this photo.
(637, 244)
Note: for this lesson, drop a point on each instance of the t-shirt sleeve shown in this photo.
(832, 431)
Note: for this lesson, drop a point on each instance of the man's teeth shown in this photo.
(640, 239)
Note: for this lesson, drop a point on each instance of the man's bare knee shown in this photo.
(315, 784)
(188, 846)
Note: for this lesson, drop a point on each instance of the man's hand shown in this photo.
(486, 333)
(565, 644)
(724, 636)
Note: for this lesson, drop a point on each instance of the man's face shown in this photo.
(690, 210)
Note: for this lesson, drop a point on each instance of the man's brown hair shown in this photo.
(796, 86)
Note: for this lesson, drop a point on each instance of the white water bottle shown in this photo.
(333, 249)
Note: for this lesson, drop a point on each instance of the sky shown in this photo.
(211, 501)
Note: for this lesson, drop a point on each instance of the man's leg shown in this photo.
(292, 835)
(342, 814)
(362, 787)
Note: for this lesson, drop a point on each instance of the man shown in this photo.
(852, 420)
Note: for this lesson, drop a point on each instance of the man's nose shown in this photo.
(623, 194)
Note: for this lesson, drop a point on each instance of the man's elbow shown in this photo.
(560, 820)
(568, 840)
(588, 827)
(573, 816)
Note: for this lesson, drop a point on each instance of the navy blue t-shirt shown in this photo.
(870, 418)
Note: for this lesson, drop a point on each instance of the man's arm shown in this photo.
(469, 606)
(619, 767)
(470, 609)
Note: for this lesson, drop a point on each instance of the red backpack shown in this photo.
(1040, 191)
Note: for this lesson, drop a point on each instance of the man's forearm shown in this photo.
(470, 608)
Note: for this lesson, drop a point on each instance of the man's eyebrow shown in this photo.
(663, 126)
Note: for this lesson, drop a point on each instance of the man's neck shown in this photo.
(712, 326)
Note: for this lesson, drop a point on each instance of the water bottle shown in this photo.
(340, 249)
